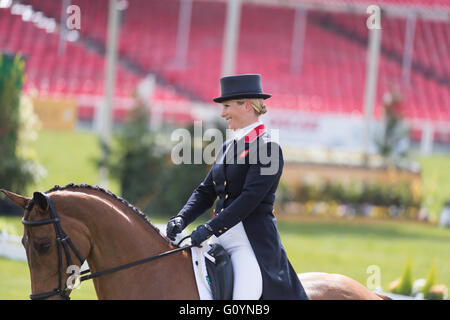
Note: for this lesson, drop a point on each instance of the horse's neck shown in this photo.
(125, 233)
(120, 236)
(119, 241)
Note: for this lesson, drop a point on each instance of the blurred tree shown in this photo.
(393, 138)
(18, 123)
(142, 163)
(181, 180)
(135, 159)
(11, 80)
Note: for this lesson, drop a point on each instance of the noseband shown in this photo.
(64, 243)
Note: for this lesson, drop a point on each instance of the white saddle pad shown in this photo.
(198, 263)
(201, 275)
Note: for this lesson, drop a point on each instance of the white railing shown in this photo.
(11, 247)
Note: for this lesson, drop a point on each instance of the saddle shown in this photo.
(219, 272)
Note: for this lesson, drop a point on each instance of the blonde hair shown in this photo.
(258, 105)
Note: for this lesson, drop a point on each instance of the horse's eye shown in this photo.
(42, 247)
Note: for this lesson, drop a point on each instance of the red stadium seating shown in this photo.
(333, 68)
(427, 3)
(78, 71)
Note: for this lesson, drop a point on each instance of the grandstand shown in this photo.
(330, 79)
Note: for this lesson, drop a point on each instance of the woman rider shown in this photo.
(245, 177)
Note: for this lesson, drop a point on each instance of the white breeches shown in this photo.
(247, 275)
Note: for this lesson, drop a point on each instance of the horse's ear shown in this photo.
(21, 201)
(40, 200)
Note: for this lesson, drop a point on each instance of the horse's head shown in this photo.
(50, 250)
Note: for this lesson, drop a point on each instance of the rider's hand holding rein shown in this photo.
(174, 227)
(200, 234)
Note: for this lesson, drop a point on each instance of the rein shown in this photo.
(135, 263)
(65, 243)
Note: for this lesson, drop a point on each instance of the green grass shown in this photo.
(14, 280)
(349, 248)
(68, 157)
(15, 283)
(436, 182)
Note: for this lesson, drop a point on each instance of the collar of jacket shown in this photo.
(255, 133)
(250, 133)
(258, 129)
(241, 133)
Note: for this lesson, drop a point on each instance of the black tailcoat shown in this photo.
(245, 177)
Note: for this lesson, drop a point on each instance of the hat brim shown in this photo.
(248, 95)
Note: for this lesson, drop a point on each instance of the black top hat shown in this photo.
(241, 86)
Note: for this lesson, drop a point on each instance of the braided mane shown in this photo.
(142, 215)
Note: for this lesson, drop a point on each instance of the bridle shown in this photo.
(64, 244)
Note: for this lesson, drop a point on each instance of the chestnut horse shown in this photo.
(90, 222)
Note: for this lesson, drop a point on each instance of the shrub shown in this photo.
(404, 284)
(11, 80)
(430, 282)
(142, 164)
(18, 165)
(355, 194)
(134, 160)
